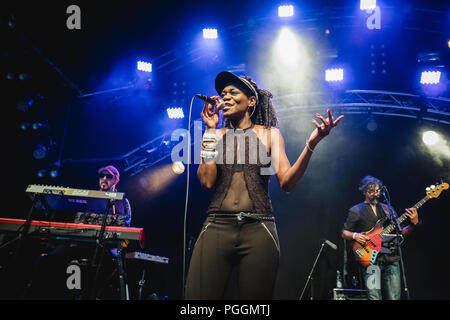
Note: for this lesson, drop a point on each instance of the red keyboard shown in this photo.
(67, 231)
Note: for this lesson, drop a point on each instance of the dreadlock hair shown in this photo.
(264, 113)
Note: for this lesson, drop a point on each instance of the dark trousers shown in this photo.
(249, 248)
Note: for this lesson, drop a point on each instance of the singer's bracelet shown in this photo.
(208, 155)
(209, 137)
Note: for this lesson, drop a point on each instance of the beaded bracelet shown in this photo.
(307, 145)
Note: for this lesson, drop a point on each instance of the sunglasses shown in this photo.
(106, 175)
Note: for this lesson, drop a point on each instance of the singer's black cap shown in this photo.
(225, 78)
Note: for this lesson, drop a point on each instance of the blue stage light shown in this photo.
(175, 113)
(144, 66)
(210, 33)
(285, 11)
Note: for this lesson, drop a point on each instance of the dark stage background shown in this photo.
(100, 57)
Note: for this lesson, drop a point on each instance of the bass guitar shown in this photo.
(367, 254)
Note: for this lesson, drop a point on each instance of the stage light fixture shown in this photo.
(334, 74)
(210, 33)
(430, 138)
(178, 167)
(175, 113)
(144, 66)
(38, 125)
(24, 126)
(54, 173)
(367, 4)
(24, 76)
(40, 152)
(430, 77)
(41, 173)
(25, 104)
(285, 11)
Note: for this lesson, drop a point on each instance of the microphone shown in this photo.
(392, 212)
(331, 244)
(208, 99)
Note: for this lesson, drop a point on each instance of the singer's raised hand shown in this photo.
(323, 129)
(210, 114)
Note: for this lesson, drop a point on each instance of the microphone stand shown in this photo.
(398, 230)
(310, 278)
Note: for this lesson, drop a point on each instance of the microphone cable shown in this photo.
(187, 199)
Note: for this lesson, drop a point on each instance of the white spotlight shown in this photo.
(430, 138)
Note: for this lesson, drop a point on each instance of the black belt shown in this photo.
(240, 216)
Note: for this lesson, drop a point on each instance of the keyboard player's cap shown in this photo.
(110, 169)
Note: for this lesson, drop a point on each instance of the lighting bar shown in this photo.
(334, 74)
(430, 77)
(175, 113)
(285, 11)
(144, 66)
(209, 33)
(367, 4)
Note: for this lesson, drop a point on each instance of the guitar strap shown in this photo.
(385, 209)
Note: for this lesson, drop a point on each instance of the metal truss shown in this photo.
(384, 103)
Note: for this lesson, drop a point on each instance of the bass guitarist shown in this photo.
(382, 280)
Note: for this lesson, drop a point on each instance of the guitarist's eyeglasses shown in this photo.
(373, 191)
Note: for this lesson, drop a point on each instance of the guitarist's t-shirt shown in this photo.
(360, 218)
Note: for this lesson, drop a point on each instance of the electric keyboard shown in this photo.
(73, 231)
(64, 199)
(71, 192)
(147, 257)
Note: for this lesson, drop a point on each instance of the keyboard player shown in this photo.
(49, 276)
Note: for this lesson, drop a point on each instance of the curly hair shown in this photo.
(368, 182)
(264, 113)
